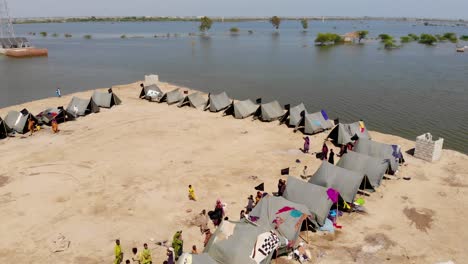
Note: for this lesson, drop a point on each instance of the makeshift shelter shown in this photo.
(345, 181)
(106, 100)
(390, 153)
(218, 102)
(4, 129)
(195, 100)
(373, 168)
(313, 196)
(18, 121)
(151, 93)
(80, 107)
(172, 97)
(316, 122)
(294, 115)
(58, 113)
(243, 242)
(270, 111)
(203, 258)
(242, 109)
(346, 133)
(284, 216)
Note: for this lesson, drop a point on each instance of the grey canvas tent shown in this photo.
(58, 113)
(373, 168)
(294, 115)
(18, 121)
(313, 196)
(218, 102)
(203, 258)
(270, 111)
(151, 93)
(390, 153)
(242, 242)
(195, 100)
(80, 107)
(316, 122)
(172, 97)
(270, 208)
(4, 129)
(345, 133)
(242, 109)
(345, 181)
(106, 100)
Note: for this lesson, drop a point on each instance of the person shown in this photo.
(118, 252)
(343, 150)
(324, 151)
(194, 250)
(349, 146)
(242, 214)
(304, 173)
(280, 183)
(306, 144)
(331, 158)
(250, 203)
(170, 255)
(178, 244)
(302, 254)
(127, 261)
(283, 187)
(31, 125)
(55, 128)
(191, 194)
(218, 213)
(58, 92)
(145, 257)
(207, 237)
(258, 197)
(203, 221)
(136, 256)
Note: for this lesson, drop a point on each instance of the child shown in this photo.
(191, 194)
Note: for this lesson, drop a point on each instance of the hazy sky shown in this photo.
(389, 8)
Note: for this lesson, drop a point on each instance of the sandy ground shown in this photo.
(123, 173)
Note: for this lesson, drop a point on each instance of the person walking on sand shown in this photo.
(178, 244)
(331, 159)
(203, 221)
(191, 193)
(242, 215)
(250, 203)
(55, 128)
(58, 92)
(306, 144)
(207, 237)
(31, 125)
(145, 256)
(324, 151)
(136, 257)
(118, 252)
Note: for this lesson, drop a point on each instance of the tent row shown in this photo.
(17, 122)
(297, 117)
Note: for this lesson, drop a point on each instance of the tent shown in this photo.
(4, 129)
(294, 115)
(242, 109)
(218, 102)
(270, 111)
(172, 97)
(284, 216)
(195, 100)
(316, 122)
(243, 242)
(59, 114)
(18, 121)
(345, 181)
(106, 100)
(313, 196)
(391, 153)
(345, 133)
(80, 107)
(373, 168)
(203, 258)
(151, 93)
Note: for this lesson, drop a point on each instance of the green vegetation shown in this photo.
(439, 37)
(275, 21)
(427, 39)
(324, 38)
(464, 38)
(362, 34)
(68, 35)
(205, 24)
(234, 30)
(452, 37)
(413, 36)
(43, 33)
(305, 24)
(405, 39)
(87, 37)
(385, 37)
(123, 36)
(55, 35)
(389, 44)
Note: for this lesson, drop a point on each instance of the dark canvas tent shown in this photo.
(18, 121)
(195, 100)
(270, 111)
(80, 107)
(4, 129)
(218, 102)
(270, 208)
(316, 122)
(313, 196)
(106, 100)
(59, 114)
(151, 93)
(373, 168)
(345, 181)
(294, 115)
(242, 109)
(344, 133)
(172, 97)
(242, 242)
(391, 153)
(196, 259)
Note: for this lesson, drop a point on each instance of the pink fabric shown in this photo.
(285, 209)
(333, 195)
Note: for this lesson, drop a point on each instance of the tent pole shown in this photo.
(307, 231)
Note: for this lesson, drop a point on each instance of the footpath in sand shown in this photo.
(123, 173)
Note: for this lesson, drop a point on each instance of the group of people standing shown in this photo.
(325, 154)
(143, 257)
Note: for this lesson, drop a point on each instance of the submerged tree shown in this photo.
(275, 21)
(389, 44)
(234, 30)
(323, 38)
(413, 36)
(205, 24)
(405, 39)
(305, 24)
(385, 37)
(362, 34)
(452, 37)
(464, 38)
(427, 39)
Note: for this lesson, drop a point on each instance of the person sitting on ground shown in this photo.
(55, 128)
(136, 257)
(170, 256)
(118, 252)
(258, 197)
(194, 250)
(250, 203)
(191, 193)
(324, 151)
(242, 215)
(331, 158)
(178, 244)
(145, 256)
(207, 237)
(306, 144)
(31, 125)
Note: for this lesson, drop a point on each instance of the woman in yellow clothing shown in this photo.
(191, 193)
(118, 253)
(145, 257)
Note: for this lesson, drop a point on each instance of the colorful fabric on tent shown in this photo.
(333, 195)
(362, 126)
(266, 243)
(324, 114)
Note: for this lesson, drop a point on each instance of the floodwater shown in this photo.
(406, 92)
